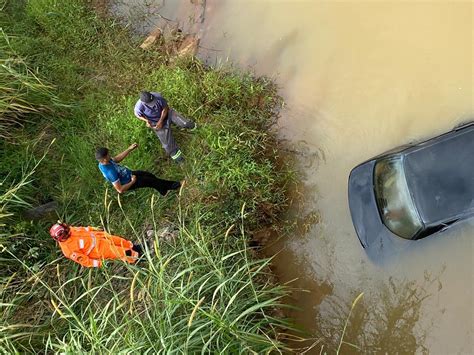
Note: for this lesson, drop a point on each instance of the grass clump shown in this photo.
(22, 92)
(204, 291)
(194, 294)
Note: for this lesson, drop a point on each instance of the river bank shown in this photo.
(204, 289)
(358, 78)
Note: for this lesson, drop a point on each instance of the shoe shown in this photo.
(178, 157)
(138, 248)
(176, 185)
(179, 160)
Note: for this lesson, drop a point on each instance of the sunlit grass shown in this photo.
(201, 292)
(207, 291)
(22, 92)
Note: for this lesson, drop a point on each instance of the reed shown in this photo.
(23, 95)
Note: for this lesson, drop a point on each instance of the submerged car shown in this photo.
(415, 190)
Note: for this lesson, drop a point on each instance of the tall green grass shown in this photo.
(203, 292)
(22, 92)
(14, 198)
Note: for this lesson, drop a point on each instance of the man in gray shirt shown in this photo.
(153, 109)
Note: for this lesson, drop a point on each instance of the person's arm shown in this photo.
(140, 115)
(85, 260)
(120, 242)
(161, 121)
(144, 120)
(118, 158)
(122, 188)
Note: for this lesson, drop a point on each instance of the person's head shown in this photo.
(102, 155)
(146, 97)
(60, 232)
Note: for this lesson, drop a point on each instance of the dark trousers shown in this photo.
(166, 137)
(146, 179)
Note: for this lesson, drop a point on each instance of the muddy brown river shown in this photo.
(358, 78)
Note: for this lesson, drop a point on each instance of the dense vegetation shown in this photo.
(68, 82)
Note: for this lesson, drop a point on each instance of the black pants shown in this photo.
(146, 179)
(136, 247)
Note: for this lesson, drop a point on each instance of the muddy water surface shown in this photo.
(358, 78)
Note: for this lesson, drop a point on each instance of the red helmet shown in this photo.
(59, 232)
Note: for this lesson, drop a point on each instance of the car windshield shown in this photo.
(394, 201)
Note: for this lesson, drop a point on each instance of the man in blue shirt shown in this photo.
(153, 109)
(124, 179)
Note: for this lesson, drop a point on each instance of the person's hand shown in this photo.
(159, 125)
(133, 146)
(134, 178)
(148, 124)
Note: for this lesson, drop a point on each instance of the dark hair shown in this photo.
(146, 97)
(101, 153)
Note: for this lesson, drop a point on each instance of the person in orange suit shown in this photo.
(89, 246)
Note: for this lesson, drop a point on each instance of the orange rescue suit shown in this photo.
(89, 246)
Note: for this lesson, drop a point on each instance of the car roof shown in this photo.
(440, 176)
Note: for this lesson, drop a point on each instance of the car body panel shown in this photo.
(440, 176)
(373, 235)
(363, 207)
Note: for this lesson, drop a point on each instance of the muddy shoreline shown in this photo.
(368, 77)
